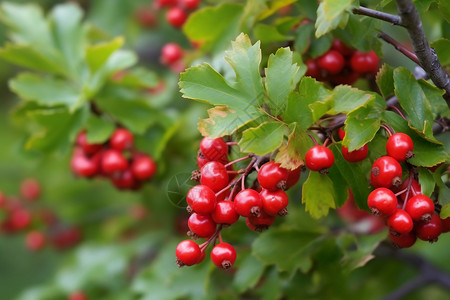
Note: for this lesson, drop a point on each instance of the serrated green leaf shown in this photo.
(441, 46)
(318, 195)
(434, 95)
(291, 155)
(248, 274)
(97, 55)
(347, 98)
(445, 211)
(282, 77)
(263, 139)
(385, 80)
(320, 45)
(426, 181)
(359, 33)
(444, 7)
(288, 249)
(330, 14)
(98, 129)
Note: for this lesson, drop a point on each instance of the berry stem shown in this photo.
(212, 238)
(400, 48)
(312, 138)
(390, 131)
(239, 159)
(408, 188)
(397, 110)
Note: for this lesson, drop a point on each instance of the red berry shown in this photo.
(30, 189)
(66, 237)
(346, 76)
(35, 240)
(263, 221)
(224, 213)
(171, 53)
(420, 208)
(272, 177)
(163, 3)
(84, 166)
(356, 155)
(332, 61)
(214, 175)
(386, 172)
(405, 240)
(201, 199)
(341, 133)
(189, 4)
(201, 160)
(223, 255)
(319, 158)
(248, 202)
(188, 253)
(273, 202)
(382, 201)
(445, 224)
(400, 146)
(146, 17)
(125, 180)
(78, 295)
(313, 69)
(20, 219)
(143, 167)
(214, 149)
(113, 161)
(342, 48)
(400, 221)
(429, 231)
(121, 139)
(202, 226)
(293, 177)
(364, 62)
(414, 190)
(176, 16)
(88, 148)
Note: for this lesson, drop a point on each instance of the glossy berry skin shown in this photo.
(405, 240)
(214, 175)
(214, 149)
(341, 133)
(332, 61)
(223, 255)
(429, 231)
(356, 155)
(121, 139)
(248, 202)
(313, 69)
(188, 252)
(386, 172)
(293, 177)
(202, 226)
(364, 62)
(78, 295)
(35, 240)
(113, 161)
(382, 201)
(201, 199)
(414, 190)
(319, 158)
(84, 166)
(342, 48)
(274, 202)
(272, 176)
(143, 167)
(224, 213)
(420, 207)
(400, 221)
(171, 53)
(201, 160)
(125, 180)
(30, 189)
(176, 16)
(400, 146)
(88, 148)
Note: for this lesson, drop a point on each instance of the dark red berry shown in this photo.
(400, 221)
(88, 148)
(293, 177)
(171, 53)
(332, 61)
(125, 180)
(84, 166)
(176, 16)
(223, 255)
(35, 240)
(405, 240)
(400, 146)
(78, 295)
(143, 167)
(420, 208)
(214, 149)
(214, 174)
(66, 237)
(30, 189)
(445, 224)
(272, 176)
(356, 155)
(189, 4)
(273, 202)
(382, 201)
(20, 219)
(263, 221)
(163, 3)
(386, 172)
(202, 199)
(349, 212)
(188, 253)
(113, 161)
(202, 226)
(224, 213)
(364, 62)
(342, 48)
(121, 139)
(429, 231)
(146, 17)
(248, 202)
(319, 158)
(341, 133)
(313, 69)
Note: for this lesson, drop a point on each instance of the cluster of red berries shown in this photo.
(408, 213)
(115, 159)
(342, 64)
(178, 10)
(20, 215)
(221, 198)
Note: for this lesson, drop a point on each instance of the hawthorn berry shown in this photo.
(319, 158)
(146, 17)
(382, 201)
(66, 237)
(121, 139)
(84, 166)
(176, 16)
(214, 175)
(332, 61)
(113, 161)
(78, 295)
(189, 4)
(214, 149)
(404, 240)
(201, 199)
(143, 167)
(248, 202)
(30, 189)
(125, 180)
(400, 221)
(224, 213)
(35, 240)
(313, 69)
(20, 219)
(262, 222)
(223, 255)
(168, 3)
(341, 133)
(171, 53)
(342, 48)
(445, 224)
(293, 177)
(188, 253)
(202, 226)
(272, 176)
(364, 62)
(274, 201)
(420, 208)
(201, 159)
(400, 146)
(429, 231)
(87, 147)
(356, 155)
(386, 172)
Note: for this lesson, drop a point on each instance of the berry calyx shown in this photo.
(420, 208)
(261, 222)
(386, 172)
(356, 155)
(176, 16)
(405, 240)
(121, 139)
(202, 199)
(214, 175)
(382, 201)
(429, 231)
(214, 149)
(272, 176)
(201, 226)
(400, 146)
(332, 61)
(171, 53)
(274, 202)
(223, 255)
(248, 203)
(188, 253)
(400, 221)
(319, 158)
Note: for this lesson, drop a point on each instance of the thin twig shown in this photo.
(394, 20)
(390, 40)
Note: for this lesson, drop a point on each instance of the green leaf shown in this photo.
(413, 100)
(263, 139)
(304, 37)
(282, 77)
(97, 55)
(291, 156)
(272, 287)
(330, 14)
(441, 46)
(445, 211)
(248, 274)
(273, 6)
(320, 45)
(359, 33)
(444, 7)
(434, 95)
(385, 80)
(46, 90)
(139, 78)
(346, 99)
(214, 26)
(288, 249)
(426, 181)
(318, 195)
(268, 34)
(98, 129)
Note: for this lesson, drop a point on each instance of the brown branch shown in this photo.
(394, 20)
(399, 47)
